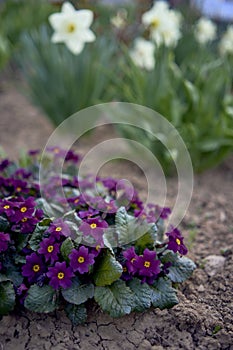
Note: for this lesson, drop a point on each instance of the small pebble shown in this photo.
(214, 264)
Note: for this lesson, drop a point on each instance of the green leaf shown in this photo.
(41, 299)
(7, 297)
(117, 300)
(107, 271)
(37, 237)
(4, 278)
(163, 294)
(4, 224)
(76, 313)
(181, 269)
(66, 248)
(78, 293)
(15, 276)
(142, 294)
(128, 228)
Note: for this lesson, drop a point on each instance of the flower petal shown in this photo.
(67, 7)
(58, 38)
(86, 35)
(85, 18)
(56, 20)
(74, 46)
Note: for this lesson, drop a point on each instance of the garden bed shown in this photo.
(202, 319)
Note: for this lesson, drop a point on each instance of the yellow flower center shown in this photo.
(93, 226)
(23, 209)
(60, 275)
(6, 207)
(178, 241)
(147, 264)
(155, 23)
(56, 150)
(98, 247)
(36, 268)
(132, 260)
(124, 269)
(76, 200)
(81, 259)
(50, 248)
(18, 189)
(24, 219)
(58, 229)
(71, 28)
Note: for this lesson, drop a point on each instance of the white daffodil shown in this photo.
(205, 30)
(226, 43)
(163, 24)
(72, 27)
(143, 54)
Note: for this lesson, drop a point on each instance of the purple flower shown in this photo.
(49, 249)
(126, 275)
(33, 268)
(131, 257)
(93, 227)
(147, 265)
(59, 228)
(24, 210)
(60, 275)
(96, 248)
(4, 164)
(72, 156)
(176, 242)
(33, 152)
(81, 259)
(7, 207)
(87, 213)
(21, 292)
(110, 183)
(4, 239)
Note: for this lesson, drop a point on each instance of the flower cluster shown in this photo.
(90, 248)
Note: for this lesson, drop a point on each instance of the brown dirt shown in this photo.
(202, 320)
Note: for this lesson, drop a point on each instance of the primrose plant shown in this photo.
(50, 258)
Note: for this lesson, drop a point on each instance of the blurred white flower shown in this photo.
(205, 30)
(226, 43)
(164, 24)
(120, 20)
(72, 27)
(143, 54)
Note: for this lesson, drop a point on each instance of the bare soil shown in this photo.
(204, 317)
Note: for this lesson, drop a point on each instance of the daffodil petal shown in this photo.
(84, 18)
(86, 35)
(58, 38)
(56, 20)
(74, 46)
(67, 7)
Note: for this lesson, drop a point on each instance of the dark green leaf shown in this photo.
(142, 294)
(117, 300)
(163, 294)
(78, 293)
(7, 297)
(37, 237)
(107, 271)
(76, 313)
(181, 269)
(41, 299)
(4, 224)
(66, 248)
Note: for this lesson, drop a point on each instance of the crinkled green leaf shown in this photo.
(141, 293)
(41, 299)
(107, 271)
(4, 224)
(7, 297)
(163, 295)
(76, 313)
(37, 237)
(129, 228)
(181, 269)
(66, 248)
(78, 293)
(117, 300)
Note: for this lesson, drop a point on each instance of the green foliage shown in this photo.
(7, 297)
(181, 268)
(107, 271)
(142, 294)
(116, 299)
(41, 299)
(78, 293)
(163, 294)
(76, 313)
(66, 248)
(73, 82)
(16, 17)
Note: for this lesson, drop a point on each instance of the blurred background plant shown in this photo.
(168, 58)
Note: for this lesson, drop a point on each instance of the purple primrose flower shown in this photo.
(33, 268)
(147, 265)
(81, 259)
(59, 228)
(49, 249)
(60, 275)
(176, 242)
(93, 227)
(4, 240)
(131, 258)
